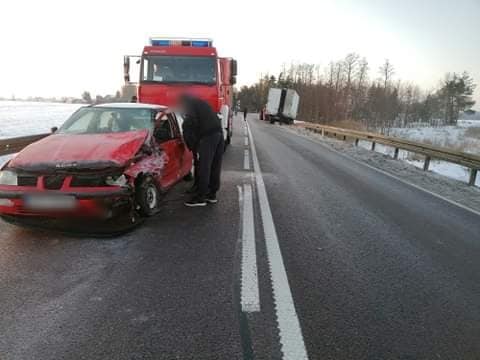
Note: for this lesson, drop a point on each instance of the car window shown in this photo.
(82, 124)
(107, 120)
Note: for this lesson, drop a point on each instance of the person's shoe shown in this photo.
(192, 190)
(211, 198)
(196, 201)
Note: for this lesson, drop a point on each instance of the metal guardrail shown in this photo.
(14, 145)
(470, 161)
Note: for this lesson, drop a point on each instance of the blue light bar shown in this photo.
(200, 43)
(156, 42)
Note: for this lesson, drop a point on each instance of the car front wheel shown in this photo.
(147, 197)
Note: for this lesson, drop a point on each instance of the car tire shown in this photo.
(147, 197)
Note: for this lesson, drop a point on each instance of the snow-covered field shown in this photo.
(464, 137)
(19, 118)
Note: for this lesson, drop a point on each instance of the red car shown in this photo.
(104, 161)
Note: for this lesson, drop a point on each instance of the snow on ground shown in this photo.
(463, 137)
(20, 118)
(452, 189)
(444, 168)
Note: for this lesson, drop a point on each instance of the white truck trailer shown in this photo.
(282, 105)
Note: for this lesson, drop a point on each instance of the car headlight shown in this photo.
(116, 181)
(8, 178)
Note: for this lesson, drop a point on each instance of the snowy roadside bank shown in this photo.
(22, 118)
(451, 189)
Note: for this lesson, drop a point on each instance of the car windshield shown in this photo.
(96, 120)
(179, 69)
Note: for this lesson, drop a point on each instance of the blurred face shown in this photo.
(181, 103)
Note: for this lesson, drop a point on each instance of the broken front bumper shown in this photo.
(102, 203)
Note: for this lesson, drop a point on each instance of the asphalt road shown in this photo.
(308, 254)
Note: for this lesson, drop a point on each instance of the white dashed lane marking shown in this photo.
(249, 291)
(246, 160)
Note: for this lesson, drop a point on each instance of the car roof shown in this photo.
(130, 106)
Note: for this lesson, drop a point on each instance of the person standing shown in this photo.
(202, 131)
(245, 112)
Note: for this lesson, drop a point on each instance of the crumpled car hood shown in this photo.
(70, 151)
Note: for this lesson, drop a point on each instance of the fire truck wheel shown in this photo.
(147, 196)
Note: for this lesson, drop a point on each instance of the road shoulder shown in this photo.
(440, 186)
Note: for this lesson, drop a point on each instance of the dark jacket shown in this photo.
(200, 120)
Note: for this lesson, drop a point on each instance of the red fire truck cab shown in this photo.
(171, 66)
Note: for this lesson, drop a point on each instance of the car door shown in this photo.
(185, 155)
(168, 144)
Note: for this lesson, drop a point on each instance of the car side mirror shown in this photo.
(54, 129)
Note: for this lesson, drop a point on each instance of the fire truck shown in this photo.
(171, 66)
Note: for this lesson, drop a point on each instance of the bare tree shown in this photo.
(386, 71)
(349, 67)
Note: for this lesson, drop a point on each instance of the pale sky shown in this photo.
(60, 48)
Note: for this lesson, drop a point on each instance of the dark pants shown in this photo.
(210, 151)
(195, 168)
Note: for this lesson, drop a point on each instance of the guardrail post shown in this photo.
(470, 161)
(473, 177)
(395, 154)
(426, 164)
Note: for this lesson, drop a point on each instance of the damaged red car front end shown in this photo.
(96, 166)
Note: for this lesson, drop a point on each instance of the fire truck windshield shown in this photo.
(179, 69)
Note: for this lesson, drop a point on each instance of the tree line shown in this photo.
(99, 99)
(345, 90)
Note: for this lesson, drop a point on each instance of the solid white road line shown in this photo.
(291, 338)
(249, 291)
(246, 160)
